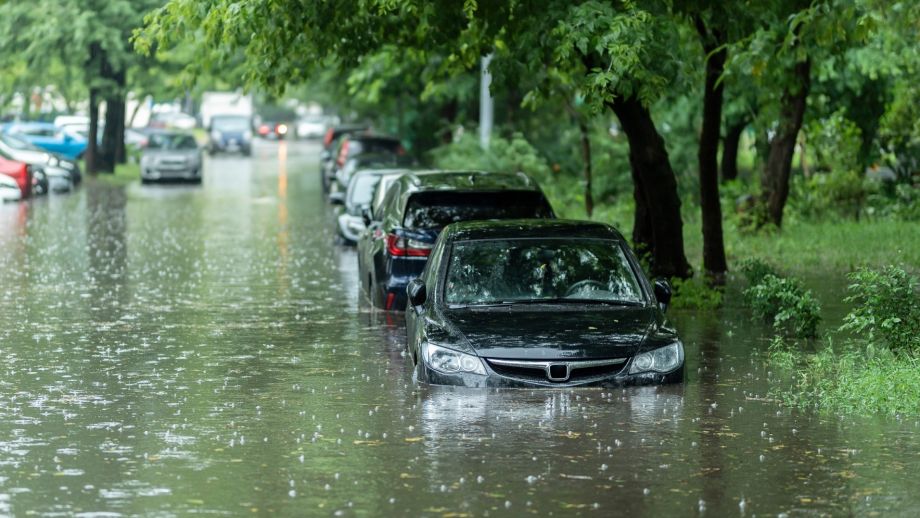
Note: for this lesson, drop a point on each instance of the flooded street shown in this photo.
(177, 349)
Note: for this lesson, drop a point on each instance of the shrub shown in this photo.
(755, 269)
(786, 305)
(887, 308)
(693, 293)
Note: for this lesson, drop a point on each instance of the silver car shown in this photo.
(171, 156)
(359, 197)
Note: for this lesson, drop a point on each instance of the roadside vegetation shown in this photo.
(870, 364)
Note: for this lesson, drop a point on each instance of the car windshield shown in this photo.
(362, 189)
(230, 123)
(170, 141)
(565, 270)
(439, 208)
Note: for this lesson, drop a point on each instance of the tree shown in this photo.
(780, 56)
(92, 36)
(624, 54)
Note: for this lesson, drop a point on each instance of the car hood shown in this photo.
(554, 332)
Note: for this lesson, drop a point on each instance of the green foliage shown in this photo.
(836, 142)
(887, 308)
(848, 379)
(504, 155)
(786, 305)
(900, 201)
(755, 270)
(839, 193)
(694, 293)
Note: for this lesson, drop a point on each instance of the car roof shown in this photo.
(371, 137)
(443, 180)
(530, 228)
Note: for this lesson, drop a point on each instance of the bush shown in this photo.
(887, 309)
(786, 305)
(693, 293)
(755, 269)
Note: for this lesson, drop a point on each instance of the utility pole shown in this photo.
(486, 106)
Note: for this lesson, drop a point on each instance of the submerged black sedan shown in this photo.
(549, 303)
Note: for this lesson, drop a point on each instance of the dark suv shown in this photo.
(355, 144)
(395, 247)
(230, 133)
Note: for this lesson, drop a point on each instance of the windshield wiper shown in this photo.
(570, 300)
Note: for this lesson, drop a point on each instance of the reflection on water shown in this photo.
(186, 349)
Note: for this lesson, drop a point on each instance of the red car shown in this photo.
(20, 173)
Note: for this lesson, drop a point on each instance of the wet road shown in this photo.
(177, 349)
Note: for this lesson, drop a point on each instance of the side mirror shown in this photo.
(337, 198)
(325, 155)
(663, 293)
(416, 292)
(366, 216)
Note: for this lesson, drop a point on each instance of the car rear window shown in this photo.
(439, 209)
(362, 146)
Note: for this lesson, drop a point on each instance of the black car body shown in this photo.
(395, 247)
(608, 328)
(330, 143)
(353, 145)
(229, 133)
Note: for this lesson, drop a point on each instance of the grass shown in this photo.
(848, 379)
(124, 174)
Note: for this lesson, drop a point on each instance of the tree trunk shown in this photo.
(730, 150)
(775, 181)
(134, 112)
(714, 262)
(89, 156)
(586, 158)
(658, 225)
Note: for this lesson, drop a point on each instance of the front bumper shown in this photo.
(154, 173)
(494, 379)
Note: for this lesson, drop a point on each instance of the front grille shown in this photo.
(561, 371)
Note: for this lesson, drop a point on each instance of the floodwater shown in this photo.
(176, 349)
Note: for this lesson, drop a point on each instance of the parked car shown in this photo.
(172, 120)
(366, 161)
(20, 149)
(311, 126)
(230, 133)
(394, 249)
(9, 189)
(15, 179)
(49, 137)
(171, 155)
(356, 199)
(330, 142)
(545, 303)
(353, 145)
(273, 130)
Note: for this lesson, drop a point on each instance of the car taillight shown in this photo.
(406, 247)
(327, 140)
(343, 154)
(281, 129)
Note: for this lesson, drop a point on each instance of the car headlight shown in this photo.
(663, 359)
(451, 362)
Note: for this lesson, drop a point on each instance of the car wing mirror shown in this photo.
(337, 198)
(416, 293)
(663, 293)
